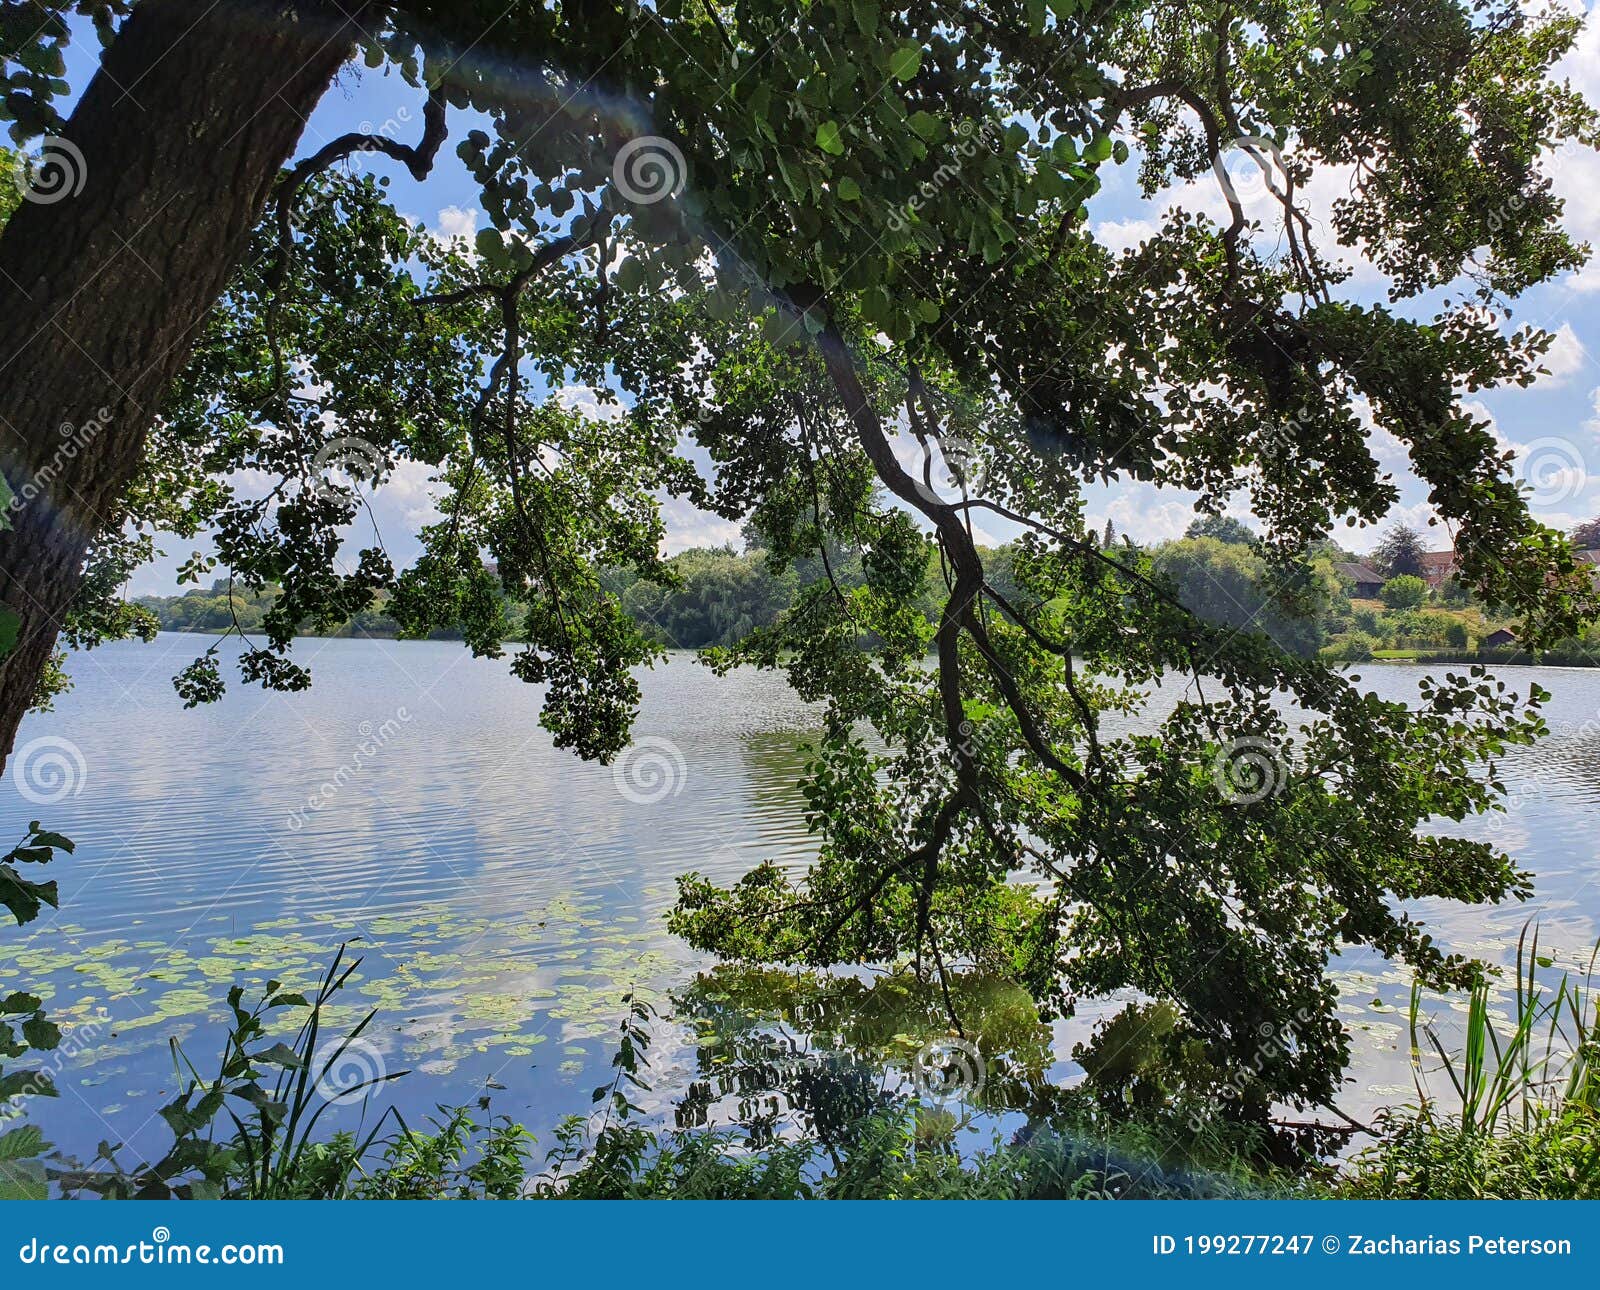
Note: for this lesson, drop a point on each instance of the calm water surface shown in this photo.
(503, 895)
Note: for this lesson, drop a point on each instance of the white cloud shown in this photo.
(251, 484)
(1576, 168)
(1552, 470)
(1143, 517)
(1124, 234)
(410, 490)
(1327, 185)
(1565, 358)
(689, 526)
(457, 221)
(1205, 196)
(1592, 425)
(586, 401)
(1581, 65)
(1576, 175)
(1421, 517)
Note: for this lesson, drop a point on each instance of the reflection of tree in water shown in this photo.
(776, 763)
(784, 1052)
(806, 1057)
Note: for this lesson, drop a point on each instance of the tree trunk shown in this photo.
(183, 132)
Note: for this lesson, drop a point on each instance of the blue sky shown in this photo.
(1554, 425)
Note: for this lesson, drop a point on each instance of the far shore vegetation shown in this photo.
(1400, 603)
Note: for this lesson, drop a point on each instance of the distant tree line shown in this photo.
(717, 596)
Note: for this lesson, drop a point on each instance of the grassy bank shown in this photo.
(1577, 656)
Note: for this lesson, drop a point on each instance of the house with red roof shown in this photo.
(1438, 566)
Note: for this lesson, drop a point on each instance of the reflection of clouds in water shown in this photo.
(472, 793)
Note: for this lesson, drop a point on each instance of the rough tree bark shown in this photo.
(183, 132)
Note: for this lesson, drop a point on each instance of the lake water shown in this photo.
(504, 895)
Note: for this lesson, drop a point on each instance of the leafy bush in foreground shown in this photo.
(1426, 1156)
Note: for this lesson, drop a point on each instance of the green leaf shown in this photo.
(780, 330)
(492, 247)
(21, 1143)
(24, 898)
(180, 1119)
(41, 1033)
(18, 1002)
(631, 275)
(31, 1083)
(723, 304)
(291, 998)
(259, 1098)
(828, 138)
(905, 62)
(281, 1054)
(23, 1180)
(1048, 182)
(876, 306)
(849, 190)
